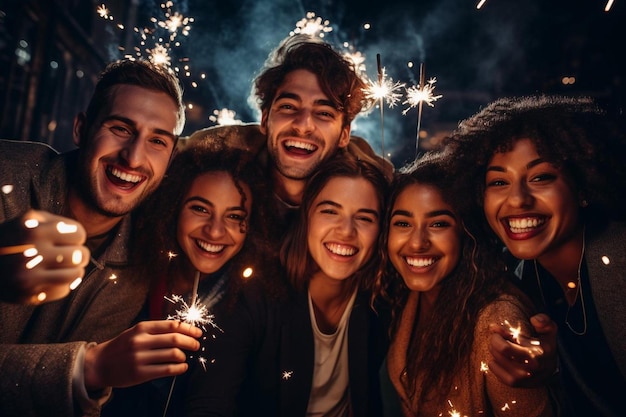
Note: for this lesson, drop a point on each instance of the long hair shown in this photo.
(158, 218)
(437, 353)
(335, 74)
(294, 254)
(573, 134)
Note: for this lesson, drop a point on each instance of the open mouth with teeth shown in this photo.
(421, 262)
(299, 148)
(210, 248)
(341, 250)
(520, 225)
(123, 179)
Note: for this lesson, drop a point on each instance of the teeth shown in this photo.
(341, 249)
(209, 247)
(125, 176)
(525, 225)
(420, 262)
(300, 145)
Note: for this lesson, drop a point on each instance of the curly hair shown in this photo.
(294, 254)
(573, 134)
(158, 218)
(478, 279)
(335, 74)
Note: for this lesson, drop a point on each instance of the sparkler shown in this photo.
(193, 313)
(383, 90)
(416, 96)
(311, 25)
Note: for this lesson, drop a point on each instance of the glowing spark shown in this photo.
(483, 367)
(606, 260)
(103, 12)
(515, 331)
(202, 361)
(224, 117)
(171, 255)
(34, 262)
(311, 25)
(383, 89)
(41, 296)
(287, 375)
(505, 407)
(6, 189)
(159, 55)
(247, 273)
(65, 228)
(608, 6)
(77, 257)
(480, 4)
(113, 277)
(76, 283)
(195, 314)
(421, 94)
(31, 223)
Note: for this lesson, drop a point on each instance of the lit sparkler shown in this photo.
(416, 96)
(312, 25)
(383, 90)
(159, 43)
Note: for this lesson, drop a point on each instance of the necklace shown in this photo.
(579, 292)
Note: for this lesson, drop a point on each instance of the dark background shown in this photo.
(51, 52)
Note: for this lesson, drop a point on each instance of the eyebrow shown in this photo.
(529, 165)
(335, 204)
(293, 96)
(208, 203)
(114, 117)
(433, 213)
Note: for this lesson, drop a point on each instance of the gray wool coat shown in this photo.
(39, 344)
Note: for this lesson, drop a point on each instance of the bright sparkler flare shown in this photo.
(416, 95)
(515, 331)
(196, 314)
(384, 89)
(224, 117)
(159, 55)
(103, 12)
(311, 25)
(171, 255)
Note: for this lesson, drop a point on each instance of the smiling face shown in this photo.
(302, 125)
(210, 229)
(530, 203)
(424, 242)
(127, 150)
(343, 226)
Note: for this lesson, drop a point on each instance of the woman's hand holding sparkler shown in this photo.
(520, 361)
(146, 351)
(42, 257)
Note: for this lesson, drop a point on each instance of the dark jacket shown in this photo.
(263, 362)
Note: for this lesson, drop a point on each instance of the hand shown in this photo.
(146, 351)
(41, 256)
(524, 362)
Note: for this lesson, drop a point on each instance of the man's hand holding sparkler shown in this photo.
(520, 361)
(146, 351)
(42, 257)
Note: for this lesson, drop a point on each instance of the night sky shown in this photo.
(508, 47)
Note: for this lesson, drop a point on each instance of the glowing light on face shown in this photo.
(224, 117)
(312, 25)
(421, 94)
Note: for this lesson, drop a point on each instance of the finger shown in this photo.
(169, 326)
(55, 229)
(45, 256)
(151, 372)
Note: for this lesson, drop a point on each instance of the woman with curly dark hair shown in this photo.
(445, 285)
(550, 175)
(207, 220)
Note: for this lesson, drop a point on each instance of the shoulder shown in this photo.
(244, 136)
